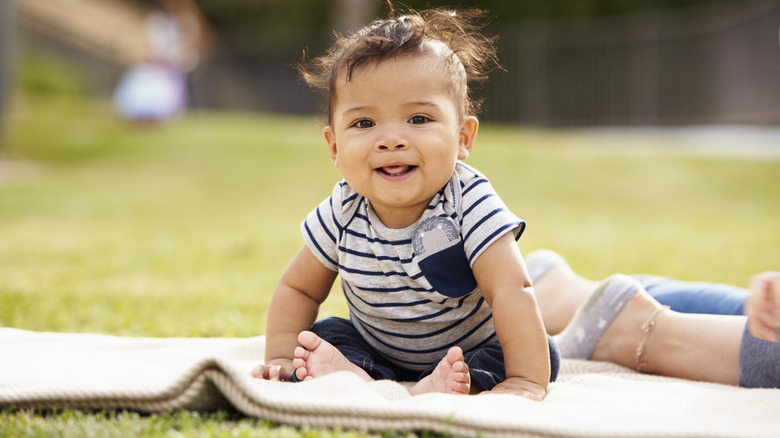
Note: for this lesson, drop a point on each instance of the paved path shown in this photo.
(738, 141)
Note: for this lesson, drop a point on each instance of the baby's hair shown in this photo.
(455, 35)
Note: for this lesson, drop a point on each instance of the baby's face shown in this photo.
(396, 134)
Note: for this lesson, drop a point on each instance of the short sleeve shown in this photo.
(321, 229)
(484, 216)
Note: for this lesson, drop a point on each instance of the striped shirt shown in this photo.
(413, 314)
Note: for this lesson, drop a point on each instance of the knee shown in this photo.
(337, 331)
(330, 324)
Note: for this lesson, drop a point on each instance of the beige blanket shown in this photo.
(66, 370)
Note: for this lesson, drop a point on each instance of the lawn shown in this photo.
(183, 229)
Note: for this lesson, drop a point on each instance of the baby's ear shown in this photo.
(468, 135)
(330, 138)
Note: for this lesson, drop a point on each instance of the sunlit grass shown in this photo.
(183, 229)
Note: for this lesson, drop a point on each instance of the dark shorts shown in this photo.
(486, 362)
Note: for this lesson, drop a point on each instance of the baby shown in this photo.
(437, 289)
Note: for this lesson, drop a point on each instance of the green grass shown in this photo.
(183, 229)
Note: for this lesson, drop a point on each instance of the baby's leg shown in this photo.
(450, 376)
(318, 358)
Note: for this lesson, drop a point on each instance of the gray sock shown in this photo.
(542, 260)
(605, 303)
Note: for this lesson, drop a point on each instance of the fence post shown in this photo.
(7, 31)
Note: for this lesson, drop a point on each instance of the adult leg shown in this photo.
(642, 334)
(560, 292)
(691, 346)
(695, 296)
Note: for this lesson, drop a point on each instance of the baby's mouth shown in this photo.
(396, 170)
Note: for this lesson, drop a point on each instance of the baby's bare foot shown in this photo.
(450, 376)
(318, 357)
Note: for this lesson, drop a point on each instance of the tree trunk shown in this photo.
(7, 30)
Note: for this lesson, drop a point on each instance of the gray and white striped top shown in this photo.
(411, 292)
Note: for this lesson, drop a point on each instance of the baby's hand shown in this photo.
(278, 370)
(763, 306)
(518, 386)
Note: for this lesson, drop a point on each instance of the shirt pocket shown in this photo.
(441, 257)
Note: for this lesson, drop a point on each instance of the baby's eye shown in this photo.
(363, 123)
(419, 120)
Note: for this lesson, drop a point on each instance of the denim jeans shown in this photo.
(695, 297)
(486, 363)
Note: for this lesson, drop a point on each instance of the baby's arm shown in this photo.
(763, 306)
(303, 287)
(501, 275)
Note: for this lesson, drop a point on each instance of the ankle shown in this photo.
(648, 330)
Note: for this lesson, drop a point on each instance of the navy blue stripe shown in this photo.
(345, 227)
(325, 227)
(482, 221)
(442, 200)
(499, 231)
(333, 215)
(469, 168)
(434, 315)
(382, 241)
(475, 204)
(420, 318)
(475, 183)
(403, 320)
(404, 304)
(472, 331)
(317, 245)
(520, 232)
(394, 289)
(430, 350)
(386, 305)
(351, 198)
(373, 256)
(374, 273)
(431, 334)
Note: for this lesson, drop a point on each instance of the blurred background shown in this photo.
(158, 156)
(568, 62)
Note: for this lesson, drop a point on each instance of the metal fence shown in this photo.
(692, 67)
(686, 68)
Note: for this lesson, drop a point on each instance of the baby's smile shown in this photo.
(397, 170)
